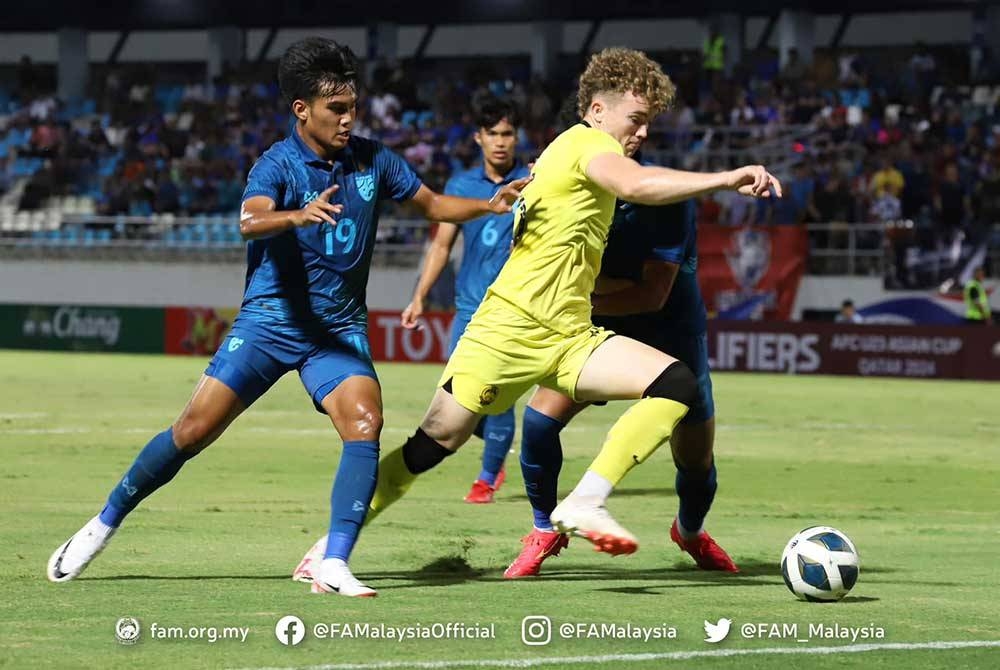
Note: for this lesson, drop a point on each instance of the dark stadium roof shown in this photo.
(166, 14)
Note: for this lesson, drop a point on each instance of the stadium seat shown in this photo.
(22, 221)
(38, 219)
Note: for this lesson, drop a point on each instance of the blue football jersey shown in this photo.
(318, 274)
(485, 241)
(666, 233)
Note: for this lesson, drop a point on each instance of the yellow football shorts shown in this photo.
(504, 352)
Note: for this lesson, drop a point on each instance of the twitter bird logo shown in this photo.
(717, 632)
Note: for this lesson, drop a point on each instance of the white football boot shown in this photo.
(310, 562)
(334, 576)
(69, 560)
(587, 517)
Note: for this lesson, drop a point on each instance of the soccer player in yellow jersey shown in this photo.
(534, 325)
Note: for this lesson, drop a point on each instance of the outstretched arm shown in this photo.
(435, 261)
(651, 185)
(452, 209)
(258, 218)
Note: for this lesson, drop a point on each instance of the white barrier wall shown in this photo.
(221, 285)
(159, 284)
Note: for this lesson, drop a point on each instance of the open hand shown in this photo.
(507, 195)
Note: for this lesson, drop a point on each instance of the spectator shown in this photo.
(887, 178)
(987, 193)
(951, 204)
(167, 194)
(848, 314)
(833, 201)
(917, 189)
(230, 193)
(5, 174)
(885, 208)
(977, 300)
(798, 204)
(794, 69)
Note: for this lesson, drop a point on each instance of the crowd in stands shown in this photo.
(891, 137)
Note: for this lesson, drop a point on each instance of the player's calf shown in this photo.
(399, 469)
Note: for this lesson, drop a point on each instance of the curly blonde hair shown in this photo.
(618, 70)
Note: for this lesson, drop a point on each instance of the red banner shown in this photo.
(752, 272)
(952, 352)
(196, 331)
(391, 342)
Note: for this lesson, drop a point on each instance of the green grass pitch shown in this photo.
(909, 470)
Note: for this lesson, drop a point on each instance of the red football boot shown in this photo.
(704, 550)
(538, 545)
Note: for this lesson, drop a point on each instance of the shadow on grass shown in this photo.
(619, 493)
(115, 578)
(455, 569)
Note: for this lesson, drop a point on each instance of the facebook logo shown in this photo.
(289, 630)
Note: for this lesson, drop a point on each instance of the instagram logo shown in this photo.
(536, 630)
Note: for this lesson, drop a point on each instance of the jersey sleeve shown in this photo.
(398, 180)
(266, 178)
(671, 228)
(453, 187)
(595, 143)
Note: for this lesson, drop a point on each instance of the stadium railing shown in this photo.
(206, 237)
(870, 249)
(846, 248)
(838, 248)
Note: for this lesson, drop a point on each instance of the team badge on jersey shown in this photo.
(235, 343)
(489, 394)
(309, 196)
(366, 185)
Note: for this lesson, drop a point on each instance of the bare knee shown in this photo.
(447, 434)
(362, 422)
(448, 423)
(193, 433)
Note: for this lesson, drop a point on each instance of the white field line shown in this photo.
(642, 658)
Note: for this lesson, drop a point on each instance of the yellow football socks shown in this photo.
(394, 480)
(637, 434)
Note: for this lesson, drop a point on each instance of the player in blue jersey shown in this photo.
(310, 212)
(485, 246)
(648, 291)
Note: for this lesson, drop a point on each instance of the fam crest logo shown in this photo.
(365, 181)
(489, 394)
(749, 256)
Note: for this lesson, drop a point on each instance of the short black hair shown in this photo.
(847, 303)
(316, 67)
(491, 110)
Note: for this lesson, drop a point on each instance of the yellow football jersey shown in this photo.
(561, 227)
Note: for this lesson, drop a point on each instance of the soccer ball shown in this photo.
(820, 564)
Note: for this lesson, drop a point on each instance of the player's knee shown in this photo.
(364, 422)
(677, 383)
(192, 434)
